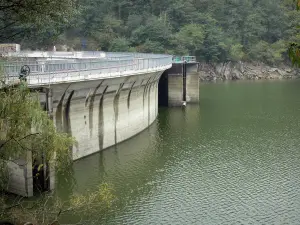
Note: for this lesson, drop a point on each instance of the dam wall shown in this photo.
(98, 114)
(102, 113)
(101, 99)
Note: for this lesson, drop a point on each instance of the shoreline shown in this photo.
(246, 71)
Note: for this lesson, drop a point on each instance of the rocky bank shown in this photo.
(245, 71)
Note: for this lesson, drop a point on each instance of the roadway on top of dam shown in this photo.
(45, 68)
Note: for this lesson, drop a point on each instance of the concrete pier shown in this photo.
(19, 175)
(179, 84)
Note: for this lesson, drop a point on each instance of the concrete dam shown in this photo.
(101, 99)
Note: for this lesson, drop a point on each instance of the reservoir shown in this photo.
(232, 159)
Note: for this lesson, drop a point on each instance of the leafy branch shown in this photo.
(294, 48)
(18, 141)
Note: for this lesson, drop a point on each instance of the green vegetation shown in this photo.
(294, 49)
(214, 30)
(49, 208)
(25, 126)
(40, 20)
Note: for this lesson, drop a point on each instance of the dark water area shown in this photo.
(232, 159)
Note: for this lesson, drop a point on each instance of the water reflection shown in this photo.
(233, 159)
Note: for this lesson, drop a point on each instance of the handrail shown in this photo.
(181, 59)
(45, 70)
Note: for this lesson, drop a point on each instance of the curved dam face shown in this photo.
(102, 113)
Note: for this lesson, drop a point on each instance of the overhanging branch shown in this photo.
(3, 144)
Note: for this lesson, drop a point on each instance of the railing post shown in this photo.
(148, 64)
(133, 63)
(140, 64)
(67, 69)
(79, 69)
(90, 66)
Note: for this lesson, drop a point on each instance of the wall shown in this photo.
(192, 83)
(105, 112)
(175, 85)
(20, 180)
(98, 114)
(175, 90)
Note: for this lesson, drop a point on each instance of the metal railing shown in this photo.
(49, 69)
(181, 59)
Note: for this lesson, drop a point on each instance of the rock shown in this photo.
(245, 71)
(289, 70)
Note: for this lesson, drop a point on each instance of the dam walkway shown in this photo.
(45, 68)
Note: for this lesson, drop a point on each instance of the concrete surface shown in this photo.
(20, 180)
(102, 113)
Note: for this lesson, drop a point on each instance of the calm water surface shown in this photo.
(232, 159)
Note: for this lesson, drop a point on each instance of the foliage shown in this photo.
(49, 209)
(236, 52)
(215, 30)
(294, 48)
(294, 54)
(43, 19)
(268, 53)
(191, 37)
(120, 44)
(214, 41)
(25, 126)
(151, 47)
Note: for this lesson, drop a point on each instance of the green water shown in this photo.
(232, 159)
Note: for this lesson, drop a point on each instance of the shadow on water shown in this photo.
(234, 157)
(131, 166)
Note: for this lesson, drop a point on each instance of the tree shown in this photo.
(211, 49)
(191, 36)
(24, 125)
(181, 13)
(146, 23)
(268, 53)
(19, 18)
(236, 52)
(151, 47)
(294, 48)
(133, 22)
(119, 45)
(156, 29)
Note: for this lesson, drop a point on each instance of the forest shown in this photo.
(213, 30)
